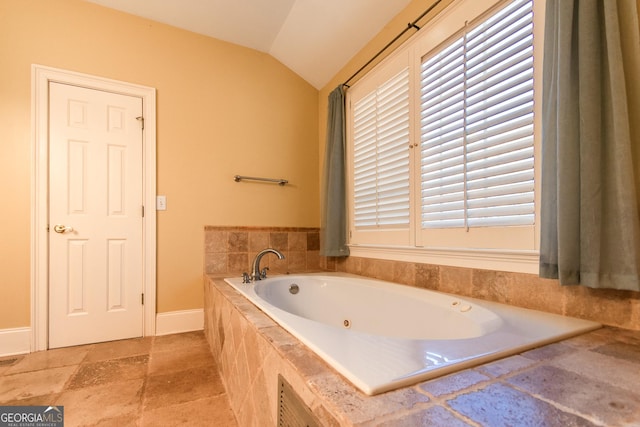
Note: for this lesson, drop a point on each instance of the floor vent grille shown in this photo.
(292, 412)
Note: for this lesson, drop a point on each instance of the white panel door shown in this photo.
(95, 216)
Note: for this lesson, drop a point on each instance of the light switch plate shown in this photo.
(161, 203)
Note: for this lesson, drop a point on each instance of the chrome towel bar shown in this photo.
(239, 178)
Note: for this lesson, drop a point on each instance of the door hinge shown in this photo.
(142, 298)
(141, 120)
(142, 211)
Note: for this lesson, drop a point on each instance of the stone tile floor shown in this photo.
(168, 380)
(587, 381)
(590, 380)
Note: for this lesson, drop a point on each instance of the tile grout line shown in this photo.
(143, 391)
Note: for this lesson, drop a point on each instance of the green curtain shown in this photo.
(590, 217)
(334, 211)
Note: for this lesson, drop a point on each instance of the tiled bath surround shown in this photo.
(607, 306)
(554, 385)
(230, 250)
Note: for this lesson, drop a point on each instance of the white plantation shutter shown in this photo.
(381, 155)
(477, 147)
(441, 140)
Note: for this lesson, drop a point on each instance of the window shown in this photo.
(477, 125)
(441, 137)
(381, 157)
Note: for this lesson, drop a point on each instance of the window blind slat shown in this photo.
(495, 211)
(502, 200)
(501, 221)
(442, 221)
(457, 205)
(442, 189)
(445, 198)
(497, 190)
(496, 180)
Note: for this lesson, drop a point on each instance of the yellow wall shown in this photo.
(221, 110)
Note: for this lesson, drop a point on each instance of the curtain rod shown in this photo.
(409, 26)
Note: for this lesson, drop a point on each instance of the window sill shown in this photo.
(518, 261)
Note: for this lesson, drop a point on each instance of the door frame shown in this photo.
(40, 78)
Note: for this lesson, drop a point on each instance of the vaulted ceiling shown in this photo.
(314, 38)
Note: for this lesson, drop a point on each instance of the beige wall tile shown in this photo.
(238, 241)
(378, 268)
(314, 260)
(216, 263)
(490, 285)
(232, 249)
(530, 291)
(297, 241)
(258, 240)
(215, 241)
(455, 280)
(279, 241)
(427, 276)
(611, 307)
(404, 272)
(352, 265)
(313, 241)
(297, 261)
(238, 262)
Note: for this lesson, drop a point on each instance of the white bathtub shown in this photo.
(382, 336)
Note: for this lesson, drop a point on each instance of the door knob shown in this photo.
(62, 228)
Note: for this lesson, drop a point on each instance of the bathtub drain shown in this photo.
(346, 323)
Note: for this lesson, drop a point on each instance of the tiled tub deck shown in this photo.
(590, 380)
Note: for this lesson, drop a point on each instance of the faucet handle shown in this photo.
(246, 278)
(263, 273)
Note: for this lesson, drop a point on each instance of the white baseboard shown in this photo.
(175, 322)
(15, 341)
(18, 340)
